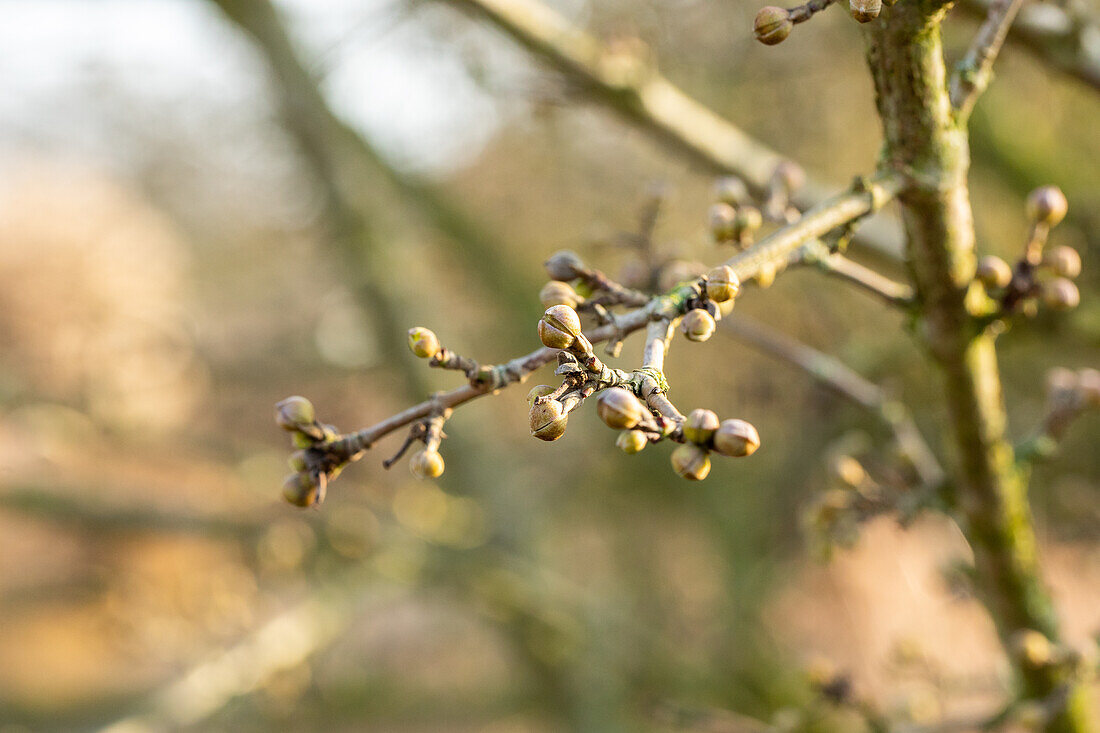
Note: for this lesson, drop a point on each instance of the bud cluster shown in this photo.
(1041, 275)
(773, 25)
(312, 465)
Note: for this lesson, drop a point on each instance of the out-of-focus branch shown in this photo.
(1069, 395)
(842, 380)
(975, 71)
(351, 168)
(1063, 35)
(839, 266)
(637, 91)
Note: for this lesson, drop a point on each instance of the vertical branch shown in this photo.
(926, 144)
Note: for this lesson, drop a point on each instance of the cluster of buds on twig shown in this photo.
(773, 25)
(1041, 274)
(313, 466)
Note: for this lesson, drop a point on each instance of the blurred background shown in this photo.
(186, 238)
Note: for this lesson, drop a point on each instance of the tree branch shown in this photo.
(839, 266)
(650, 101)
(973, 74)
(1062, 35)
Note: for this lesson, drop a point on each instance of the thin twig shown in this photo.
(837, 265)
(975, 71)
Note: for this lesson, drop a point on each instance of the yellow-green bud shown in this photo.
(721, 217)
(427, 464)
(619, 408)
(691, 462)
(294, 413)
(631, 441)
(564, 265)
(1063, 261)
(736, 438)
(700, 426)
(297, 460)
(548, 420)
(559, 327)
(1060, 294)
(301, 489)
(731, 190)
(865, 10)
(1032, 648)
(698, 325)
(538, 391)
(848, 471)
(1047, 205)
(993, 272)
(772, 25)
(423, 342)
(556, 292)
(747, 220)
(765, 274)
(722, 284)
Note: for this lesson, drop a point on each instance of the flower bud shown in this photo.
(427, 464)
(548, 420)
(772, 25)
(1032, 648)
(556, 292)
(1060, 294)
(731, 190)
(865, 10)
(538, 391)
(722, 284)
(700, 426)
(297, 460)
(302, 489)
(765, 274)
(294, 413)
(1047, 205)
(848, 471)
(1063, 261)
(564, 265)
(619, 408)
(721, 217)
(691, 462)
(747, 221)
(423, 342)
(993, 272)
(736, 438)
(1088, 381)
(698, 325)
(559, 327)
(631, 441)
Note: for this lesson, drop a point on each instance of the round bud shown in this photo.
(765, 275)
(548, 420)
(700, 426)
(731, 190)
(619, 408)
(790, 175)
(631, 441)
(297, 460)
(722, 284)
(1088, 381)
(564, 265)
(1032, 648)
(848, 471)
(736, 438)
(423, 343)
(748, 219)
(691, 462)
(698, 325)
(865, 10)
(556, 292)
(427, 464)
(1060, 294)
(538, 391)
(1063, 261)
(301, 489)
(294, 413)
(993, 272)
(721, 218)
(559, 327)
(772, 25)
(1047, 205)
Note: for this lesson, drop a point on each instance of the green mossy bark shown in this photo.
(926, 144)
